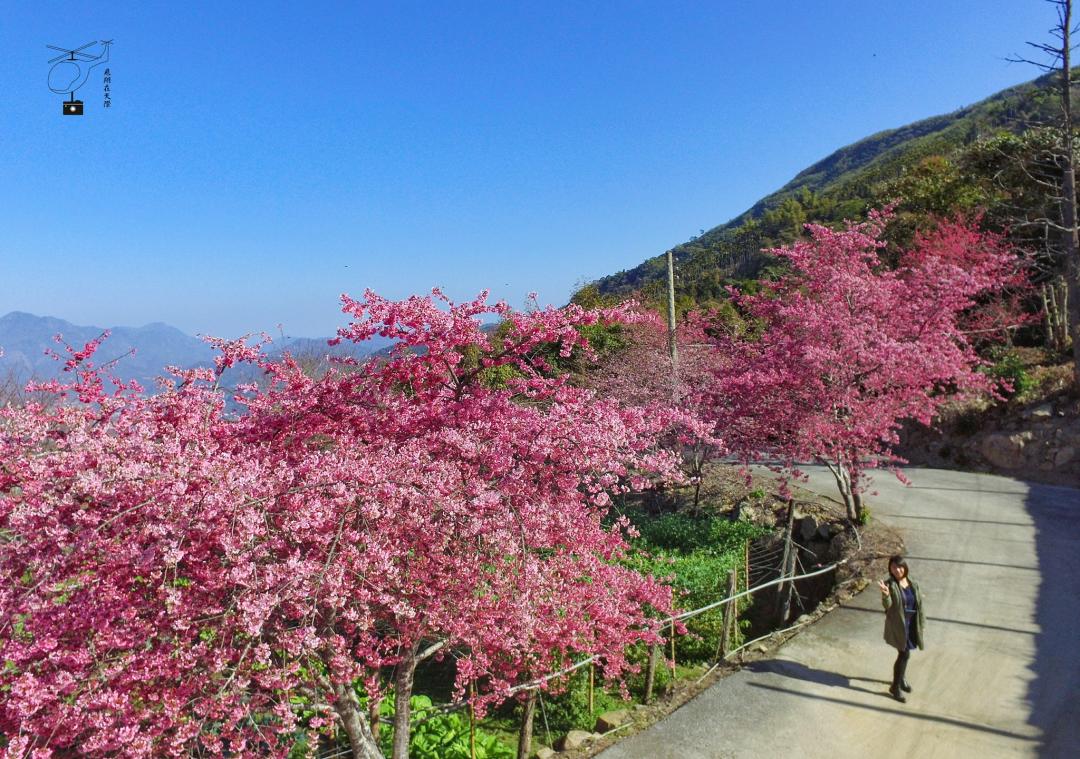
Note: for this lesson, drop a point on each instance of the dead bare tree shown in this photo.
(11, 388)
(1060, 61)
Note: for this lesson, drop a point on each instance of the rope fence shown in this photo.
(766, 556)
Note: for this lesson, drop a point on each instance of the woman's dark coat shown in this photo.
(895, 627)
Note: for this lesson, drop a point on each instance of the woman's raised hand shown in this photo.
(884, 588)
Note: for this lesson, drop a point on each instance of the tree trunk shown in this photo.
(1063, 319)
(1050, 309)
(526, 733)
(352, 719)
(1056, 304)
(1072, 312)
(857, 502)
(373, 715)
(843, 484)
(403, 686)
(1068, 191)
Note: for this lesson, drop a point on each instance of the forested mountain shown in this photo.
(843, 186)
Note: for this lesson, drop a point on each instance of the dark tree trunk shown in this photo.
(403, 686)
(373, 715)
(852, 504)
(1068, 192)
(526, 733)
(857, 503)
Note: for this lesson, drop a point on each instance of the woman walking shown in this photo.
(903, 621)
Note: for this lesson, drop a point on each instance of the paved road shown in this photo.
(999, 564)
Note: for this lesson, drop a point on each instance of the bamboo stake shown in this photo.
(746, 560)
(472, 723)
(592, 677)
(780, 610)
(735, 609)
(672, 687)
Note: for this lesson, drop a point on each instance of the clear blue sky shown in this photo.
(261, 158)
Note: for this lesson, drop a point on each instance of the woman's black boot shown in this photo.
(899, 677)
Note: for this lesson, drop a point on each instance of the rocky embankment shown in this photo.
(1039, 440)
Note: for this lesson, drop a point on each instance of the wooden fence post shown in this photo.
(650, 671)
(592, 680)
(789, 586)
(746, 561)
(781, 612)
(735, 610)
(722, 647)
(472, 723)
(671, 686)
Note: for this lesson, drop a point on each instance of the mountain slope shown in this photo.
(838, 186)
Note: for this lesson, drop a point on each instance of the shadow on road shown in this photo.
(909, 557)
(1052, 694)
(800, 671)
(967, 490)
(983, 625)
(900, 712)
(956, 519)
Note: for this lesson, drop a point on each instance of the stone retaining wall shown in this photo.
(1039, 442)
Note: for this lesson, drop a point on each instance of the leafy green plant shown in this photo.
(569, 710)
(441, 736)
(1008, 368)
(686, 534)
(694, 556)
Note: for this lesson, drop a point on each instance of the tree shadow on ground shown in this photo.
(800, 671)
(905, 712)
(1055, 710)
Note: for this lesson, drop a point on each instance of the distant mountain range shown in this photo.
(141, 353)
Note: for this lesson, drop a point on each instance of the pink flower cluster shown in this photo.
(847, 347)
(176, 580)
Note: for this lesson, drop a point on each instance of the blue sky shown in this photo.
(260, 159)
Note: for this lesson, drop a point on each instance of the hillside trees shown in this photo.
(1060, 56)
(178, 581)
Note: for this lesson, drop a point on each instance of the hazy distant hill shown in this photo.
(142, 353)
(839, 186)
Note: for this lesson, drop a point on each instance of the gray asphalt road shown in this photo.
(998, 561)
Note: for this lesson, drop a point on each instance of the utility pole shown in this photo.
(672, 347)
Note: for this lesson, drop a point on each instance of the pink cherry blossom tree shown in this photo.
(640, 373)
(179, 580)
(845, 348)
